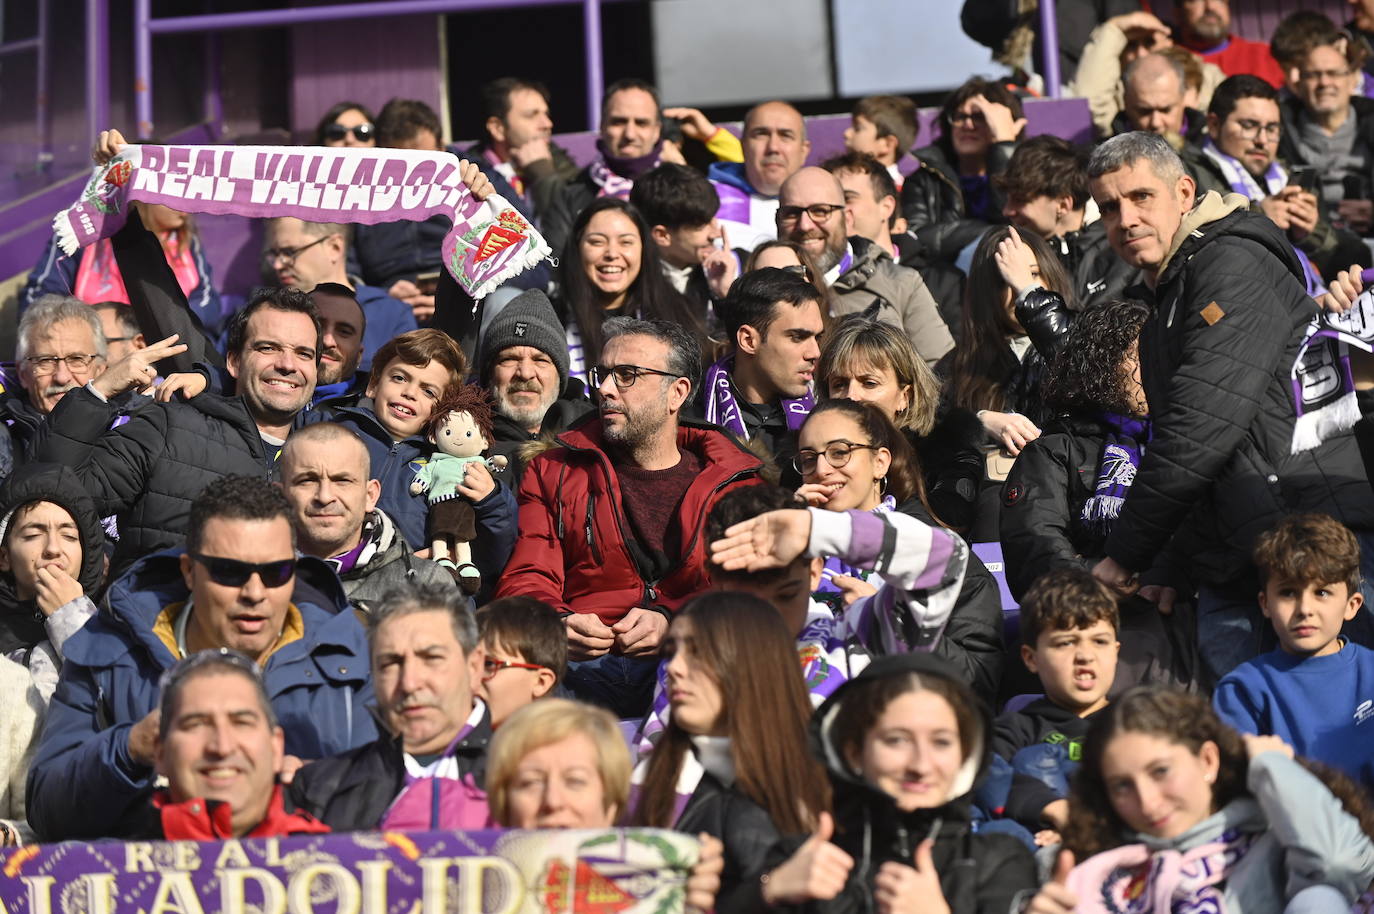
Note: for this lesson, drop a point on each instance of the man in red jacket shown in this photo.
(611, 518)
(1204, 27)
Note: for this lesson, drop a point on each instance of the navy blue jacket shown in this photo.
(387, 317)
(84, 784)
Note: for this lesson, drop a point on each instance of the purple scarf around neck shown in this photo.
(1116, 469)
(723, 409)
(615, 176)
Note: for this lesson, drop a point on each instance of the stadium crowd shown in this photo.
(685, 531)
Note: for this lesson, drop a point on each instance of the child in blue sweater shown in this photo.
(1316, 691)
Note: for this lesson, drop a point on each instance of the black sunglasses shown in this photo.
(233, 573)
(361, 132)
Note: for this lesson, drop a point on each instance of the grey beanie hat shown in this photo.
(527, 320)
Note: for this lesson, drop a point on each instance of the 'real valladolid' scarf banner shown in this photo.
(635, 871)
(489, 243)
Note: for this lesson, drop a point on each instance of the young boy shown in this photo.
(526, 648)
(1317, 690)
(1069, 625)
(883, 126)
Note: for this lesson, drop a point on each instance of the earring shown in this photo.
(882, 485)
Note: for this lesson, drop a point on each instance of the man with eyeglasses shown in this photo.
(1240, 155)
(861, 274)
(237, 584)
(775, 146)
(308, 255)
(611, 516)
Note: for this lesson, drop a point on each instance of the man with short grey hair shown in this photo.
(1230, 312)
(611, 517)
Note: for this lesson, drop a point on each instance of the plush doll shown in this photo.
(460, 429)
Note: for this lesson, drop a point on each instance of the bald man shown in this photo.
(1153, 101)
(775, 146)
(811, 212)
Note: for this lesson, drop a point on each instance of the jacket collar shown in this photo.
(707, 441)
(197, 819)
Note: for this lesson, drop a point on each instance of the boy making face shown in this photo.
(1069, 641)
(1311, 570)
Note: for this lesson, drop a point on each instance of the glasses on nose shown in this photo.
(624, 375)
(233, 573)
(288, 255)
(837, 455)
(491, 666)
(1251, 129)
(47, 364)
(1317, 76)
(974, 118)
(820, 213)
(335, 133)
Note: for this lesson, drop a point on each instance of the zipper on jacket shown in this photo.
(590, 528)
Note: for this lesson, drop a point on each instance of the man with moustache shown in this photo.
(775, 146)
(860, 273)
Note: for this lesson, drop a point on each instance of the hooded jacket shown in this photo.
(84, 783)
(900, 293)
(979, 873)
(1230, 311)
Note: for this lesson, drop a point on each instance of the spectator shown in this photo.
(1012, 31)
(637, 470)
(120, 326)
(1204, 27)
(1310, 568)
(735, 767)
(1330, 128)
(52, 567)
(870, 206)
(630, 144)
(884, 127)
(427, 771)
(789, 255)
(1271, 830)
(680, 206)
(92, 275)
(306, 255)
(326, 475)
(1155, 99)
(23, 722)
(1046, 188)
(853, 459)
(997, 371)
(239, 585)
(775, 147)
(904, 743)
(1294, 37)
(347, 124)
(149, 469)
(1217, 380)
(526, 637)
(950, 199)
(1240, 155)
(762, 390)
(523, 361)
(609, 269)
(214, 715)
(811, 213)
(870, 362)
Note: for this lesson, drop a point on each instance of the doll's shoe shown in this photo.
(468, 577)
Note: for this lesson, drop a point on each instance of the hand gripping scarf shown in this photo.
(489, 243)
(1322, 378)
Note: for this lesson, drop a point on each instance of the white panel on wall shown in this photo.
(724, 52)
(899, 46)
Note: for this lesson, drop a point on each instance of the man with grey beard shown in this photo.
(860, 274)
(523, 361)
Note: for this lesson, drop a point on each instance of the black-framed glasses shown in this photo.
(336, 133)
(211, 656)
(233, 573)
(820, 213)
(288, 255)
(1249, 129)
(837, 454)
(976, 118)
(491, 666)
(47, 364)
(624, 375)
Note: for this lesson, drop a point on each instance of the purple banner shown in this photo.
(639, 871)
(489, 242)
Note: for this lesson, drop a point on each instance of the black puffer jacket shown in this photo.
(933, 202)
(21, 622)
(747, 833)
(1097, 273)
(979, 873)
(1230, 313)
(951, 459)
(148, 470)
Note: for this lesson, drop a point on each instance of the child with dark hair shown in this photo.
(1316, 691)
(680, 204)
(1069, 626)
(526, 653)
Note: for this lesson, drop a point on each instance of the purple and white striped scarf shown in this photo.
(489, 243)
(1322, 379)
(724, 410)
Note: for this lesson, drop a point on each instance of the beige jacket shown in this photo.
(21, 714)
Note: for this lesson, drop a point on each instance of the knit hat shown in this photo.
(527, 320)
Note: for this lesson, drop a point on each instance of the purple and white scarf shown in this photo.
(1322, 379)
(723, 410)
(489, 243)
(1116, 470)
(615, 176)
(1133, 879)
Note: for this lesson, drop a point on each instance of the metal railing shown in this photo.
(42, 112)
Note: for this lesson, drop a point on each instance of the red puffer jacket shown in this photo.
(572, 550)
